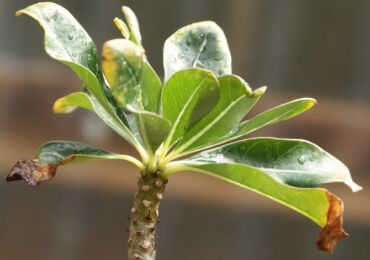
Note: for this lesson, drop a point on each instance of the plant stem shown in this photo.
(144, 217)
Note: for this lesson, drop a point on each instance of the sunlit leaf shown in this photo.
(201, 45)
(188, 96)
(236, 100)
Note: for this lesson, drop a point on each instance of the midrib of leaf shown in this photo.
(201, 49)
(177, 121)
(177, 152)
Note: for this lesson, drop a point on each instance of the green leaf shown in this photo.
(69, 103)
(188, 96)
(63, 152)
(202, 45)
(151, 88)
(133, 25)
(297, 163)
(236, 100)
(153, 129)
(66, 41)
(272, 116)
(270, 167)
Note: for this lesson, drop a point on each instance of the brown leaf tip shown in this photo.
(333, 230)
(32, 172)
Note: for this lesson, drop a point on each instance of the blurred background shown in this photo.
(298, 48)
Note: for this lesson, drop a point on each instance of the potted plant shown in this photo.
(192, 120)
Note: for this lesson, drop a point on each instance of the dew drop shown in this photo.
(301, 159)
(70, 37)
(74, 54)
(55, 16)
(84, 43)
(124, 63)
(48, 18)
(188, 42)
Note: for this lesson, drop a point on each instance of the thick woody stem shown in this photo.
(144, 217)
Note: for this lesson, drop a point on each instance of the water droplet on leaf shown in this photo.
(301, 159)
(70, 37)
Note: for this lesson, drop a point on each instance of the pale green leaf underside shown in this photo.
(311, 202)
(201, 45)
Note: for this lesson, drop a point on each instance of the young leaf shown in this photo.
(66, 41)
(133, 25)
(236, 100)
(297, 163)
(202, 45)
(187, 96)
(56, 153)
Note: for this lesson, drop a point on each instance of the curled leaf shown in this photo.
(333, 229)
(32, 172)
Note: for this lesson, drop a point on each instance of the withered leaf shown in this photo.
(333, 230)
(32, 172)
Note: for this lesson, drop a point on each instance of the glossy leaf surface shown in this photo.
(294, 162)
(236, 100)
(187, 96)
(201, 45)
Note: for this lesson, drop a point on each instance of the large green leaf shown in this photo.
(236, 100)
(66, 41)
(295, 162)
(187, 96)
(202, 45)
(272, 167)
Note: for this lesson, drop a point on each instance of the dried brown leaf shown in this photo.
(333, 230)
(32, 172)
